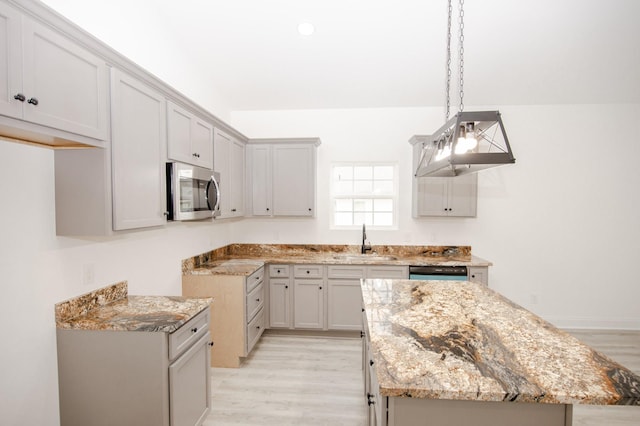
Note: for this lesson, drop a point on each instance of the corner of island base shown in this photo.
(442, 412)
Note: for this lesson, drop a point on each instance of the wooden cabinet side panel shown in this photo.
(99, 371)
(228, 325)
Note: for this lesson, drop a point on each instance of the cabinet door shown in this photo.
(190, 385)
(279, 303)
(10, 62)
(138, 146)
(433, 196)
(308, 307)
(69, 83)
(202, 142)
(237, 178)
(463, 195)
(344, 305)
(189, 139)
(479, 274)
(260, 172)
(293, 180)
(221, 155)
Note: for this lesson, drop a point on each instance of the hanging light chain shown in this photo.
(448, 109)
(461, 55)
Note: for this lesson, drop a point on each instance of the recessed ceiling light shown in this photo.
(306, 28)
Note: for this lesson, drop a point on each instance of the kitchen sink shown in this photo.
(355, 257)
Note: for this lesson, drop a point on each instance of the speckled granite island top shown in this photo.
(245, 259)
(111, 308)
(462, 341)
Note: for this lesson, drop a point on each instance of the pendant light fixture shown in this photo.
(470, 140)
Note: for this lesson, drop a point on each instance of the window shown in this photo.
(364, 194)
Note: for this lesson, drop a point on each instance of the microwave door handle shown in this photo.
(217, 187)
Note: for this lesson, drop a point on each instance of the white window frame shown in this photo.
(394, 196)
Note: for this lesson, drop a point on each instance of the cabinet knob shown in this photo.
(320, 288)
(210, 344)
(308, 272)
(370, 400)
(278, 271)
(286, 286)
(309, 209)
(233, 210)
(19, 97)
(33, 101)
(194, 330)
(258, 327)
(362, 334)
(195, 154)
(371, 362)
(267, 208)
(257, 300)
(473, 276)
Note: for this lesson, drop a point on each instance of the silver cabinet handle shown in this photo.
(33, 101)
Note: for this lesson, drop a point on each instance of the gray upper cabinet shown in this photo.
(282, 176)
(190, 138)
(229, 161)
(49, 80)
(138, 143)
(442, 196)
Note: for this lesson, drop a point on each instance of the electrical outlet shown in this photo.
(88, 273)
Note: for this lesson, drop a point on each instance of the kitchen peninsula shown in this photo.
(127, 360)
(449, 354)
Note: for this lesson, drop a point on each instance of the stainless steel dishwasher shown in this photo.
(446, 273)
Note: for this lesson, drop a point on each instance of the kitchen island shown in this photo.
(447, 353)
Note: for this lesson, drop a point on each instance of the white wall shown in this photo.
(560, 225)
(38, 270)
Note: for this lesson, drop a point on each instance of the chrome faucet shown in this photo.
(365, 248)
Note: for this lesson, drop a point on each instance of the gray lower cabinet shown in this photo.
(478, 274)
(345, 296)
(135, 377)
(321, 297)
(309, 299)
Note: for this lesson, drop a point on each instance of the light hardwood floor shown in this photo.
(309, 381)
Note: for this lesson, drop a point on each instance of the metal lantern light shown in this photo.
(471, 140)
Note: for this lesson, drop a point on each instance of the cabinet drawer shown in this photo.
(254, 330)
(255, 279)
(391, 272)
(181, 339)
(346, 271)
(278, 271)
(308, 271)
(255, 301)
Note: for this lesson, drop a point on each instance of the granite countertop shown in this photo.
(245, 259)
(111, 308)
(462, 341)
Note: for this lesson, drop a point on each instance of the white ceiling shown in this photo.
(382, 53)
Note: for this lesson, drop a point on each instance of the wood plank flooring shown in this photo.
(292, 380)
(620, 346)
(310, 381)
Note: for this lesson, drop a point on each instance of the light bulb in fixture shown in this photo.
(461, 144)
(471, 140)
(306, 28)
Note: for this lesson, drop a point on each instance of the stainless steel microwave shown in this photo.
(193, 192)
